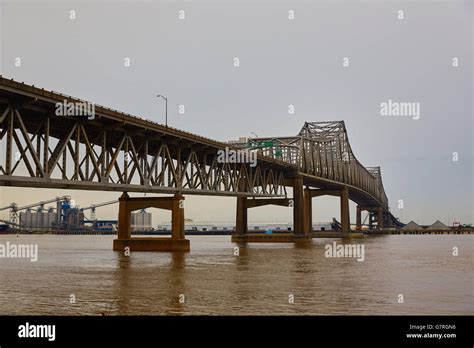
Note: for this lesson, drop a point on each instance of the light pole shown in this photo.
(166, 108)
(250, 139)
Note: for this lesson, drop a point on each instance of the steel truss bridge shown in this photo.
(116, 151)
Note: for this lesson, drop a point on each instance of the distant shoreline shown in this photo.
(230, 232)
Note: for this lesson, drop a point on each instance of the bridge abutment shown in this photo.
(177, 242)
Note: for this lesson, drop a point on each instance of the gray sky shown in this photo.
(282, 62)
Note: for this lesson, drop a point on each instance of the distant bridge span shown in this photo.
(116, 151)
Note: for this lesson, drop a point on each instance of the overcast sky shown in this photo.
(283, 61)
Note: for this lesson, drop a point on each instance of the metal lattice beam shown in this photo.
(116, 152)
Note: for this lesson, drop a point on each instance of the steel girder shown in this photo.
(322, 150)
(116, 152)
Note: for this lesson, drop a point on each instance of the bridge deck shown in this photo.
(115, 151)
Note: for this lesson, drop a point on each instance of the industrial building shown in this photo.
(141, 221)
(38, 219)
(67, 218)
(64, 216)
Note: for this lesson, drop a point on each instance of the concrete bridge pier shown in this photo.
(300, 214)
(177, 242)
(358, 218)
(345, 215)
(373, 212)
(379, 218)
(241, 226)
(344, 197)
(308, 211)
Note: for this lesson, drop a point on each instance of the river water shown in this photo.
(262, 279)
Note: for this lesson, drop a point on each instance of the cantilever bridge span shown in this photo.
(115, 151)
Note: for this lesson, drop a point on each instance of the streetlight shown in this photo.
(256, 135)
(250, 139)
(166, 107)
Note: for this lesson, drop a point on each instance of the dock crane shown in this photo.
(92, 208)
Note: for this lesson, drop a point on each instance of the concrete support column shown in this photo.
(345, 217)
(298, 206)
(380, 218)
(124, 218)
(241, 216)
(308, 212)
(177, 242)
(358, 219)
(371, 226)
(177, 217)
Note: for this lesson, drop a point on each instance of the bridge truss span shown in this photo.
(116, 151)
(322, 150)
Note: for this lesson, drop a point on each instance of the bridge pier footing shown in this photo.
(177, 242)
